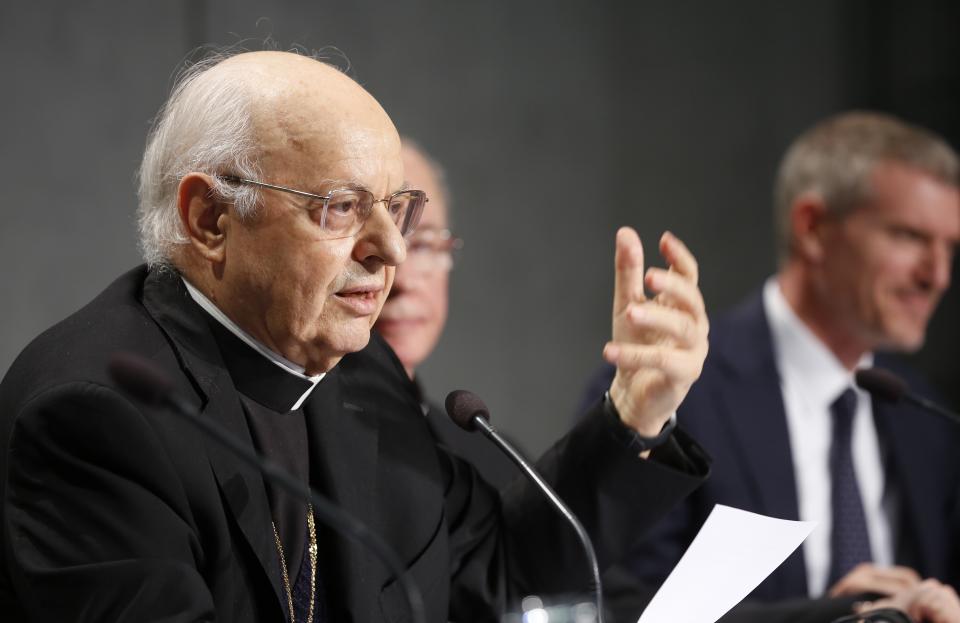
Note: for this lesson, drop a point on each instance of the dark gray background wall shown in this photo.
(557, 122)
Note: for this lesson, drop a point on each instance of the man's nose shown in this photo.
(380, 239)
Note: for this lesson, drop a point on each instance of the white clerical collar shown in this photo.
(801, 355)
(274, 357)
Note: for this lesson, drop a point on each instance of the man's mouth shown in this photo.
(362, 300)
(919, 304)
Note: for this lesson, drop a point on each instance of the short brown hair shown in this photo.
(836, 157)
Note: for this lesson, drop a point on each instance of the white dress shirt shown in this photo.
(276, 358)
(811, 378)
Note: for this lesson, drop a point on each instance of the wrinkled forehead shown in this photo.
(329, 143)
(317, 120)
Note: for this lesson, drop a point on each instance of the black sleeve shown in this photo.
(478, 573)
(615, 494)
(95, 524)
(597, 383)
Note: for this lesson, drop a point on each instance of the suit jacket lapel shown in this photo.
(756, 420)
(241, 486)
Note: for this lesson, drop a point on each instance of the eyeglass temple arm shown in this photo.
(243, 180)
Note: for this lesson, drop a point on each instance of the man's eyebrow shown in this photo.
(342, 184)
(355, 185)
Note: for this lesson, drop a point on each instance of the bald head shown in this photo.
(245, 114)
(302, 105)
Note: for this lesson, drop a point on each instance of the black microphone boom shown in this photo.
(470, 413)
(889, 387)
(150, 385)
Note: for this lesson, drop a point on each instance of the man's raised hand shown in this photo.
(659, 343)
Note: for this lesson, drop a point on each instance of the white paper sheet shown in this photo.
(734, 551)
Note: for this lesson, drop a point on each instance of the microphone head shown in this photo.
(140, 377)
(881, 383)
(463, 405)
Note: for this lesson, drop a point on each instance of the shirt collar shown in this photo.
(274, 357)
(800, 354)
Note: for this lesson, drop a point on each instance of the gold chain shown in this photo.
(312, 550)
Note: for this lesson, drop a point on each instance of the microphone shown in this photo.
(469, 412)
(889, 387)
(149, 384)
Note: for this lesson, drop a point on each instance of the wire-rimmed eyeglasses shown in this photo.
(345, 210)
(431, 250)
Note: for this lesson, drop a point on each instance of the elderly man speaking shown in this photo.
(273, 214)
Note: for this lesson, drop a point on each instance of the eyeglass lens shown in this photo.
(431, 249)
(347, 210)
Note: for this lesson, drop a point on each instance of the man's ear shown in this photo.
(808, 218)
(202, 215)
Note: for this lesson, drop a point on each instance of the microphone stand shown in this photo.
(487, 429)
(931, 406)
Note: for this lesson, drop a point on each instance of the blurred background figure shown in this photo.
(868, 214)
(416, 310)
(415, 313)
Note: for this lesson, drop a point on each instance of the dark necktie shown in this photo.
(849, 541)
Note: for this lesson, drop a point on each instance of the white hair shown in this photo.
(205, 126)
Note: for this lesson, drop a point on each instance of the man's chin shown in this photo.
(332, 353)
(357, 343)
(905, 341)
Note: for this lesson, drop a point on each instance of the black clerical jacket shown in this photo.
(115, 511)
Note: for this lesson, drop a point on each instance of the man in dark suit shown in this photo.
(869, 217)
(272, 217)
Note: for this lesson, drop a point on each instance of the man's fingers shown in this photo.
(679, 257)
(906, 575)
(628, 280)
(930, 601)
(677, 325)
(868, 578)
(675, 290)
(677, 365)
(937, 603)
